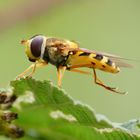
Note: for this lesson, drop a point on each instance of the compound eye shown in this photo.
(36, 46)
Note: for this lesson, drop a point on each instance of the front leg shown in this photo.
(33, 68)
(25, 72)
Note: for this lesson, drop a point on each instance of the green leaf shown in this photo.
(48, 112)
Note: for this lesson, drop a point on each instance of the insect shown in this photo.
(67, 55)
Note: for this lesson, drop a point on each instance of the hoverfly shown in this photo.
(67, 55)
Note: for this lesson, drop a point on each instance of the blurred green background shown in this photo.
(104, 25)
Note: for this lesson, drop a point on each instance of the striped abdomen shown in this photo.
(93, 60)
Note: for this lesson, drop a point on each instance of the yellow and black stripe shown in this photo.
(93, 60)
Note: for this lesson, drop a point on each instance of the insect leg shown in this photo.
(25, 72)
(60, 73)
(82, 65)
(36, 65)
(99, 82)
(33, 67)
(79, 71)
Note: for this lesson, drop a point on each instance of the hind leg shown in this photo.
(100, 83)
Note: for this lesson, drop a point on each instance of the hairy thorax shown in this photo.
(56, 56)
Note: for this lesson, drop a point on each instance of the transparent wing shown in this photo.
(119, 61)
